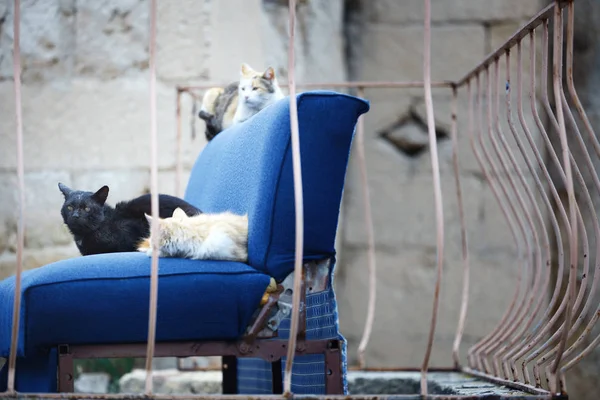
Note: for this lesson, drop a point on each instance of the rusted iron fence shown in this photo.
(540, 336)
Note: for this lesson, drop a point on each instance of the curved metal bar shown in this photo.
(298, 201)
(473, 354)
(581, 292)
(583, 285)
(536, 292)
(477, 349)
(14, 338)
(517, 351)
(591, 347)
(557, 78)
(463, 229)
(437, 190)
(544, 328)
(154, 227)
(574, 97)
(528, 297)
(360, 142)
(492, 119)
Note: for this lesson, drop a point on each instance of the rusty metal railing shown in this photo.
(535, 337)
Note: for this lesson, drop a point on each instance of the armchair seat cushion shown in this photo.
(103, 299)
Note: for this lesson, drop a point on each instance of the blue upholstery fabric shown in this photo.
(248, 168)
(35, 374)
(104, 299)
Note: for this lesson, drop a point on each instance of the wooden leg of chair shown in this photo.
(277, 377)
(333, 369)
(229, 369)
(66, 379)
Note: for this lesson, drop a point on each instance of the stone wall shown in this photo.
(85, 108)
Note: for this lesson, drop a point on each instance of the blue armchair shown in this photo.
(97, 306)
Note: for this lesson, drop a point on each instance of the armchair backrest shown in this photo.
(248, 169)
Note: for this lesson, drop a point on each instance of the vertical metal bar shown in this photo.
(66, 378)
(360, 142)
(333, 365)
(557, 78)
(154, 227)
(178, 160)
(437, 190)
(463, 229)
(298, 200)
(14, 338)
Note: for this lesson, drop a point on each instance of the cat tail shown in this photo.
(212, 125)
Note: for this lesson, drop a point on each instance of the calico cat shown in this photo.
(99, 228)
(221, 236)
(235, 103)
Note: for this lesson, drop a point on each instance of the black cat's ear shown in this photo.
(101, 195)
(66, 191)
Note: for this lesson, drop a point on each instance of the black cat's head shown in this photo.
(83, 212)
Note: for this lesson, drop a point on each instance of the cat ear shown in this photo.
(269, 74)
(66, 191)
(246, 69)
(101, 195)
(179, 213)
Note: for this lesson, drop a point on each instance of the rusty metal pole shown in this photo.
(463, 229)
(368, 215)
(437, 191)
(298, 202)
(154, 227)
(12, 358)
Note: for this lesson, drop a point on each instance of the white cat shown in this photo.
(221, 236)
(256, 91)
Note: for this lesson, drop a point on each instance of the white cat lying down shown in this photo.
(221, 236)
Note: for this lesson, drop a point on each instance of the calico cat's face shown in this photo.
(256, 88)
(83, 212)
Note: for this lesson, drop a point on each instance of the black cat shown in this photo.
(99, 228)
